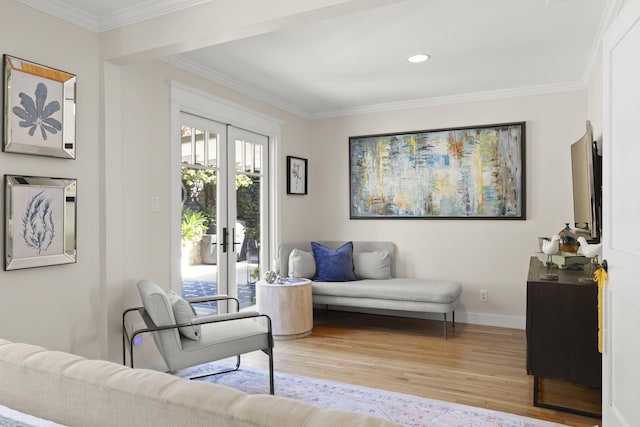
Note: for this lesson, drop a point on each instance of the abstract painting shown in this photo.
(40, 226)
(39, 109)
(462, 173)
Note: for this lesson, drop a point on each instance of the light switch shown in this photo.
(155, 203)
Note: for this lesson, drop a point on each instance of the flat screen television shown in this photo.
(586, 169)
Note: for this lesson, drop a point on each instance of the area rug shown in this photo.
(401, 408)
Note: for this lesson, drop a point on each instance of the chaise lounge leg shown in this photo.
(445, 326)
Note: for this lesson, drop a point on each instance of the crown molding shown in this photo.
(224, 80)
(62, 10)
(143, 11)
(453, 99)
(128, 15)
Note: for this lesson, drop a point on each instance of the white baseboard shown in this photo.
(512, 322)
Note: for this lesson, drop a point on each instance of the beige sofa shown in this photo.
(74, 391)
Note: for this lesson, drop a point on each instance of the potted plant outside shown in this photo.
(194, 225)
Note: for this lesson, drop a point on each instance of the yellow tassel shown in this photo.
(600, 276)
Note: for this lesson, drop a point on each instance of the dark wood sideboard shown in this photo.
(562, 330)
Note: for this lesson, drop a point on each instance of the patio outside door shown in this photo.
(223, 180)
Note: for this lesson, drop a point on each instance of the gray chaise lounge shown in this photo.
(393, 293)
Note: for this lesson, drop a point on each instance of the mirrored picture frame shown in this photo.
(40, 221)
(39, 109)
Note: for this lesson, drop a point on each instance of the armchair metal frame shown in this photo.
(152, 327)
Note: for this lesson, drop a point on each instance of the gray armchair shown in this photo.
(221, 336)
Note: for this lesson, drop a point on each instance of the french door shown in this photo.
(224, 209)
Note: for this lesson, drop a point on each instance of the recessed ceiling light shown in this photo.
(419, 58)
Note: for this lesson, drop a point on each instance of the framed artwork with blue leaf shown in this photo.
(39, 109)
(40, 221)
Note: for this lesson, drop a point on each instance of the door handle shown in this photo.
(233, 239)
(225, 241)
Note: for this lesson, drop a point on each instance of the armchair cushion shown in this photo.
(229, 335)
(184, 313)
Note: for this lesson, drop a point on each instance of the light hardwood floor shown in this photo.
(478, 365)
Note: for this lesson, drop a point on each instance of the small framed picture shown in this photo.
(40, 221)
(296, 175)
(39, 109)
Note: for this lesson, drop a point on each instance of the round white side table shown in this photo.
(288, 305)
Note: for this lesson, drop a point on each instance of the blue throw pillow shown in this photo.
(333, 265)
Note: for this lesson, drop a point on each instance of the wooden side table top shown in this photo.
(289, 281)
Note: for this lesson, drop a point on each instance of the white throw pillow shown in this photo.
(372, 265)
(184, 313)
(302, 264)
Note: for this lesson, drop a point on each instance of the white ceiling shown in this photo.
(357, 63)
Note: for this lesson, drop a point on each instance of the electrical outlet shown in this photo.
(484, 295)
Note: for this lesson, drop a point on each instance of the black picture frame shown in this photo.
(297, 173)
(474, 172)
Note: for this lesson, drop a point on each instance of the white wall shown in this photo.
(60, 306)
(481, 254)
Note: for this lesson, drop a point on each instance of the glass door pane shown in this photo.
(201, 265)
(250, 203)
